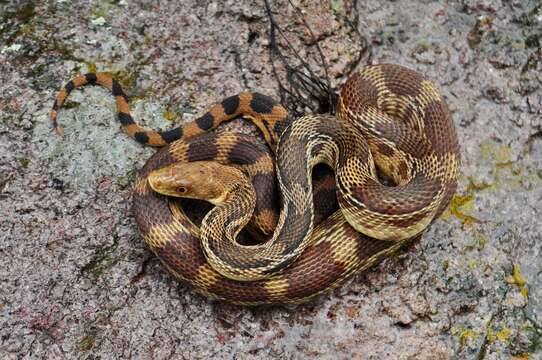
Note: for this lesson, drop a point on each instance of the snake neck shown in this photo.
(222, 225)
(307, 142)
(234, 211)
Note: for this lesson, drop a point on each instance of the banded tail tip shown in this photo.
(57, 127)
(59, 130)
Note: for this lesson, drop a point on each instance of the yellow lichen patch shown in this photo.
(169, 115)
(503, 154)
(472, 264)
(506, 171)
(477, 186)
(506, 165)
(502, 335)
(87, 343)
(490, 151)
(91, 67)
(460, 207)
(481, 240)
(477, 241)
(518, 280)
(465, 335)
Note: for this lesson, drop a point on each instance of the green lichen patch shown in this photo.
(24, 162)
(22, 14)
(124, 181)
(87, 343)
(534, 336)
(337, 6)
(126, 79)
(104, 258)
(101, 10)
(532, 41)
(482, 25)
(70, 105)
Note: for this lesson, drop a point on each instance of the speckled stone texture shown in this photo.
(76, 280)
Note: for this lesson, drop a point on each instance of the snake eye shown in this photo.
(182, 190)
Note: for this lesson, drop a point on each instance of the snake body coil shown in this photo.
(390, 120)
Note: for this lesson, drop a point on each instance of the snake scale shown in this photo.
(390, 121)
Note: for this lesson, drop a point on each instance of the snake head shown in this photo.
(202, 180)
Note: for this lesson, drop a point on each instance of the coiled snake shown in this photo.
(390, 121)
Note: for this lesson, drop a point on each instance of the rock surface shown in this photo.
(76, 280)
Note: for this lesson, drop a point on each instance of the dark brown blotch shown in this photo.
(159, 160)
(125, 119)
(91, 78)
(402, 170)
(266, 192)
(141, 137)
(172, 135)
(236, 291)
(230, 105)
(404, 138)
(439, 128)
(245, 153)
(205, 122)
(321, 276)
(69, 86)
(262, 104)
(366, 246)
(116, 89)
(281, 125)
(401, 80)
(358, 92)
(415, 195)
(198, 151)
(183, 254)
(385, 149)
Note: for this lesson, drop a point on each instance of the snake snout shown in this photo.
(201, 180)
(155, 182)
(168, 182)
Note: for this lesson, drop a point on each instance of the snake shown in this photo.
(391, 122)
